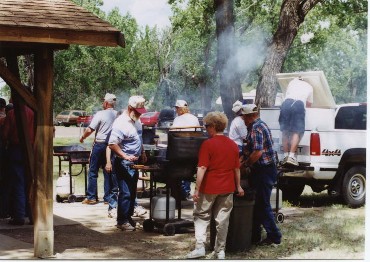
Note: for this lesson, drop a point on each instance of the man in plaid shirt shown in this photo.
(261, 159)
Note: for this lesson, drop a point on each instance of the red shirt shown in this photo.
(10, 133)
(220, 155)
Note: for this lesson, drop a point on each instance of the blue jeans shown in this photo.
(262, 180)
(127, 178)
(18, 183)
(185, 188)
(97, 160)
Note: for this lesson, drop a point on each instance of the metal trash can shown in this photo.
(239, 236)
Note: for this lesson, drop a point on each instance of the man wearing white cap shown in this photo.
(238, 131)
(184, 119)
(127, 144)
(102, 125)
(261, 159)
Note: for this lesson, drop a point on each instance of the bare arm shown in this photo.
(116, 149)
(108, 166)
(88, 131)
(237, 182)
(200, 175)
(256, 154)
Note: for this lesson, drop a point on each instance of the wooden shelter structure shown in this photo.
(38, 28)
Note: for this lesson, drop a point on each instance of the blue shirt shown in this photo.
(259, 138)
(102, 123)
(127, 134)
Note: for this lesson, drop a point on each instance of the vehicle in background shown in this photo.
(84, 121)
(332, 151)
(68, 117)
(149, 118)
(166, 117)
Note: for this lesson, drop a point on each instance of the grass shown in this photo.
(324, 228)
(76, 169)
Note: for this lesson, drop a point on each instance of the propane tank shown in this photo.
(159, 205)
(62, 187)
(273, 199)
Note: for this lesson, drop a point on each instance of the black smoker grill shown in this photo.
(75, 155)
(180, 164)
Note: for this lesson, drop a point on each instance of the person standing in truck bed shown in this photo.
(299, 94)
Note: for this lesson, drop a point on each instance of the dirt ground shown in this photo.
(85, 232)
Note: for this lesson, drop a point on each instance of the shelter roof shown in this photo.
(59, 22)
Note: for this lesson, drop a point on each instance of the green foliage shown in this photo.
(164, 65)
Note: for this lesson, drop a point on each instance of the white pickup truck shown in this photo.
(332, 151)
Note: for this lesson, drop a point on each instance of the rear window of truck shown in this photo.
(351, 117)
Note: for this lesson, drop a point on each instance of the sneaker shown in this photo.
(283, 162)
(112, 213)
(292, 161)
(215, 255)
(268, 242)
(198, 252)
(89, 202)
(139, 211)
(126, 227)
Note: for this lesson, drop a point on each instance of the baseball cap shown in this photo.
(137, 103)
(181, 103)
(237, 106)
(249, 109)
(109, 98)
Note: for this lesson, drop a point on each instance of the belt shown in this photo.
(268, 165)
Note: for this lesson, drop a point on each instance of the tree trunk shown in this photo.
(292, 15)
(230, 88)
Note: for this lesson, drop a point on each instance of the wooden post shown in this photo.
(43, 186)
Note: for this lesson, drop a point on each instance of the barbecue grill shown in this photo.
(180, 164)
(75, 155)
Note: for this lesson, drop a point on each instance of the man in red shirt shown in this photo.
(218, 177)
(19, 204)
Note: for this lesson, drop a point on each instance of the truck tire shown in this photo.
(354, 187)
(291, 192)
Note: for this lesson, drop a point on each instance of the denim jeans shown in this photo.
(262, 180)
(97, 160)
(185, 188)
(127, 178)
(18, 183)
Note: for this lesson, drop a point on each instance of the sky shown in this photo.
(146, 12)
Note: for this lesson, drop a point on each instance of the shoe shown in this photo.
(126, 227)
(198, 252)
(89, 202)
(283, 162)
(268, 242)
(112, 213)
(221, 255)
(16, 222)
(132, 222)
(291, 161)
(139, 211)
(215, 255)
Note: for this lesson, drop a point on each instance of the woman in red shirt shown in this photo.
(218, 177)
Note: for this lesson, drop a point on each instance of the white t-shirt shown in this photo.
(185, 120)
(238, 130)
(300, 90)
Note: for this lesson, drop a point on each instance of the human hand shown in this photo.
(195, 196)
(240, 191)
(108, 167)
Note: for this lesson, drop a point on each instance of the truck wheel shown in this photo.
(291, 192)
(354, 186)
